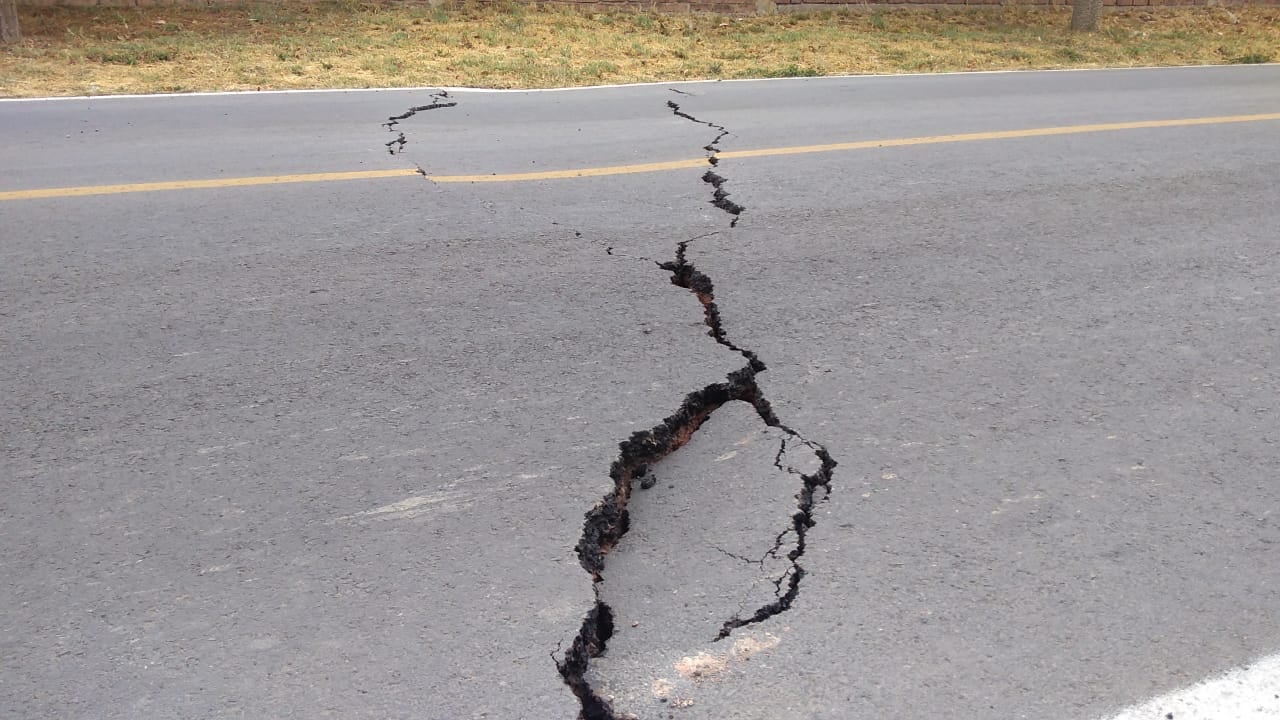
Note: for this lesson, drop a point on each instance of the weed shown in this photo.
(786, 71)
(128, 54)
(599, 69)
(1251, 59)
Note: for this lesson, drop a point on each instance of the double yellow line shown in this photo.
(86, 190)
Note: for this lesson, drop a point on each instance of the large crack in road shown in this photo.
(439, 100)
(607, 522)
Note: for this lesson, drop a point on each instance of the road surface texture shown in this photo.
(968, 410)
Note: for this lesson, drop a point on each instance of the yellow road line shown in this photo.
(200, 184)
(1002, 135)
(580, 172)
(629, 169)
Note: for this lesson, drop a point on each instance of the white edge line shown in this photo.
(1248, 692)
(430, 88)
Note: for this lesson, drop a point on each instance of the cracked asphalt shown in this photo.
(367, 449)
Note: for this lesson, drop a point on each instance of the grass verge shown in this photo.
(104, 50)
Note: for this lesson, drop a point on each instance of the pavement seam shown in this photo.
(608, 521)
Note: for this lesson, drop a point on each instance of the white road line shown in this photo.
(660, 83)
(1251, 692)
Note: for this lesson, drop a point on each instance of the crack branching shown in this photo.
(814, 486)
(719, 196)
(607, 522)
(396, 145)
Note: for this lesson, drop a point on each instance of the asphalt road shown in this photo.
(324, 449)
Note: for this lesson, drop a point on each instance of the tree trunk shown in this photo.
(1085, 15)
(9, 31)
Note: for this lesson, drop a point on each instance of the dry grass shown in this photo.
(73, 51)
